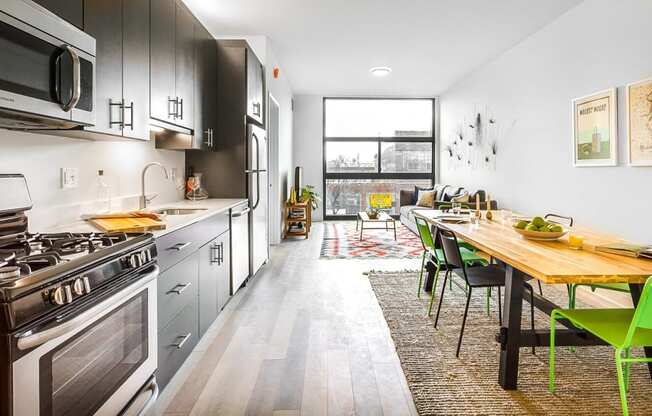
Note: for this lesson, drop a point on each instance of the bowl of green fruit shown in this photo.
(539, 229)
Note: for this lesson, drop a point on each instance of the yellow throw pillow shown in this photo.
(426, 199)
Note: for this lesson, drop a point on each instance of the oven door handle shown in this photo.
(31, 339)
(152, 387)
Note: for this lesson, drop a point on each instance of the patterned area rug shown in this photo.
(342, 241)
(443, 385)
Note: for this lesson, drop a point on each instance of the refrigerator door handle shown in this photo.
(257, 171)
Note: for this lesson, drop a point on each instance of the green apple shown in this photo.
(522, 224)
(539, 222)
(555, 228)
(532, 227)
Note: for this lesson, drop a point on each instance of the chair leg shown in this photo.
(466, 311)
(540, 289)
(532, 315)
(627, 368)
(423, 263)
(621, 382)
(434, 289)
(487, 300)
(441, 297)
(500, 309)
(551, 374)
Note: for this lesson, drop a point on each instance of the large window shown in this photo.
(374, 145)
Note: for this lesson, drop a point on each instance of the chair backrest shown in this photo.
(427, 240)
(560, 219)
(451, 249)
(449, 205)
(643, 315)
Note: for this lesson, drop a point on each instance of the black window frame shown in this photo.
(379, 139)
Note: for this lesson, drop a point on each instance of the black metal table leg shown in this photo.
(635, 290)
(511, 329)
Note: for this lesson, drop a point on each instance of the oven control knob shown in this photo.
(87, 284)
(78, 287)
(67, 293)
(135, 260)
(57, 296)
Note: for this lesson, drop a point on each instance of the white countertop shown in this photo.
(212, 207)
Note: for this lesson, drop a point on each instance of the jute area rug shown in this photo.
(443, 385)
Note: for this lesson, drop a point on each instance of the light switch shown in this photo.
(69, 178)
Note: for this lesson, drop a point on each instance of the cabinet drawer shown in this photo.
(175, 342)
(177, 287)
(174, 247)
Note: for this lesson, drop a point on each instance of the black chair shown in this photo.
(476, 277)
(560, 219)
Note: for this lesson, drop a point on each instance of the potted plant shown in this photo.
(308, 194)
(372, 213)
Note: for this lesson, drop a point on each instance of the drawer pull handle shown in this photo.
(184, 339)
(178, 289)
(180, 246)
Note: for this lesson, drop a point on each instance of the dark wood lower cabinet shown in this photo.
(214, 280)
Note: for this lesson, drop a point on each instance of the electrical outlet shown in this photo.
(69, 178)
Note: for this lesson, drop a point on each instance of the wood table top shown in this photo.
(550, 261)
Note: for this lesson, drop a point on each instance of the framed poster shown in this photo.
(595, 130)
(639, 123)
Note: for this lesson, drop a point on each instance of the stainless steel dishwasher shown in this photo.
(239, 245)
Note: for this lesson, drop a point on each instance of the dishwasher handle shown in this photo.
(241, 213)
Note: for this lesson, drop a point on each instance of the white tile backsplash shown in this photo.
(41, 157)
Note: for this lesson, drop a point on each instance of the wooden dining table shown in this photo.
(551, 262)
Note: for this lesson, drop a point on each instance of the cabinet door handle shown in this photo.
(131, 114)
(180, 246)
(221, 252)
(215, 258)
(180, 115)
(180, 288)
(212, 137)
(172, 107)
(184, 339)
(121, 106)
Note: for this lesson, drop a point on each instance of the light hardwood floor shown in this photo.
(305, 337)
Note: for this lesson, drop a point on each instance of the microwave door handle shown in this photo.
(76, 79)
(31, 339)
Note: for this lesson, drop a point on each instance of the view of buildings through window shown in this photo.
(375, 146)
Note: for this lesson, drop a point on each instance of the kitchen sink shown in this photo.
(179, 211)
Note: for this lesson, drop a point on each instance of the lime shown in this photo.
(532, 227)
(556, 228)
(521, 224)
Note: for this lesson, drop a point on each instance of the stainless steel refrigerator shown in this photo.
(258, 193)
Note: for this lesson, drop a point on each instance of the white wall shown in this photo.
(40, 159)
(281, 90)
(308, 148)
(597, 45)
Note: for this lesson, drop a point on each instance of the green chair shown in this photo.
(620, 328)
(436, 255)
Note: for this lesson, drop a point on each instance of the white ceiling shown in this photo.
(328, 46)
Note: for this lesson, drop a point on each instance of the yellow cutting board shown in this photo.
(127, 225)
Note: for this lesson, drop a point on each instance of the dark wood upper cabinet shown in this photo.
(184, 64)
(172, 63)
(205, 89)
(162, 60)
(255, 88)
(70, 10)
(121, 31)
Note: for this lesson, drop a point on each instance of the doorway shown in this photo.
(276, 197)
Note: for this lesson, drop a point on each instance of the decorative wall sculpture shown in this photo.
(474, 144)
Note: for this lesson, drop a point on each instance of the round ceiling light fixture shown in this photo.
(380, 71)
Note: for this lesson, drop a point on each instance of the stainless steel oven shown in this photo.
(47, 70)
(91, 359)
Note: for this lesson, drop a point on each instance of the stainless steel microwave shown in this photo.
(47, 70)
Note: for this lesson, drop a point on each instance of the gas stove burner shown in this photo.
(9, 272)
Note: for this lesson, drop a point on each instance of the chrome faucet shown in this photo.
(143, 197)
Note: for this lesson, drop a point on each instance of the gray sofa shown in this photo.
(444, 194)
